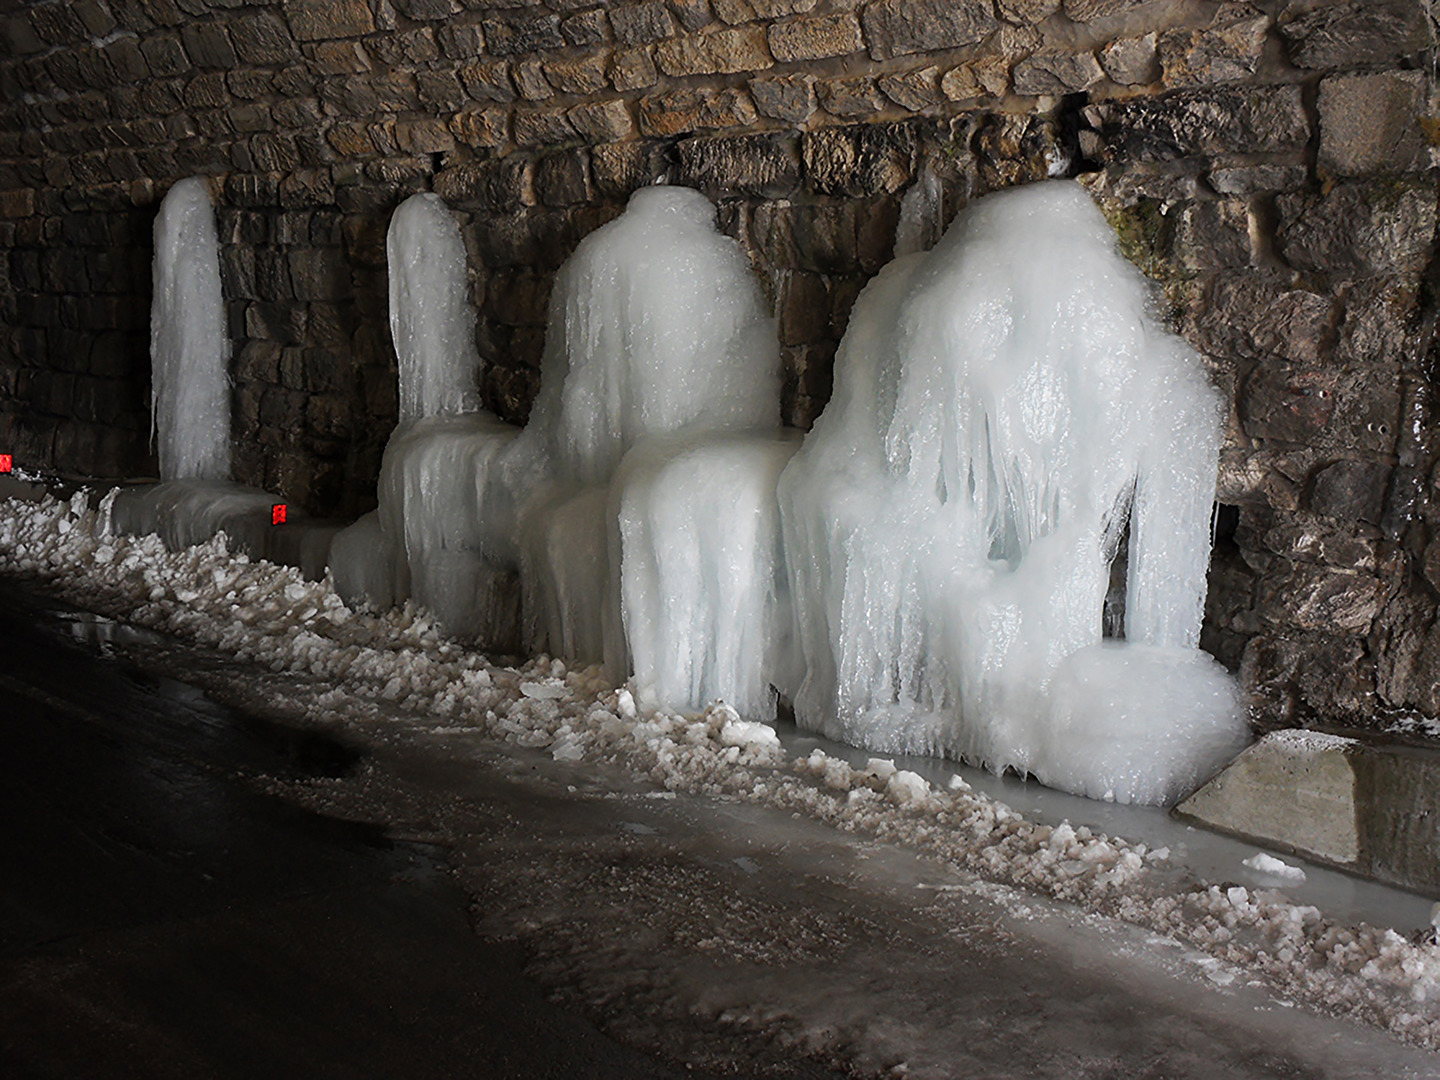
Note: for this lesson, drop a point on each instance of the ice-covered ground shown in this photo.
(1245, 939)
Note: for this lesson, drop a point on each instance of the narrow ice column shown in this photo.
(431, 320)
(189, 348)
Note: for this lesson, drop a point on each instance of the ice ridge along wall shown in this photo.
(1005, 414)
(189, 347)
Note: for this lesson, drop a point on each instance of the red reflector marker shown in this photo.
(277, 514)
(5, 463)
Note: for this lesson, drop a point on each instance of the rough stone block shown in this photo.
(1247, 180)
(674, 112)
(1248, 120)
(530, 81)
(405, 49)
(850, 98)
(1349, 34)
(540, 125)
(816, 37)
(765, 165)
(1056, 73)
(208, 45)
(424, 135)
(899, 27)
(643, 23)
(603, 121)
(1371, 123)
(488, 81)
(1305, 596)
(1371, 228)
(586, 28)
(785, 97)
(164, 55)
(504, 185)
(1228, 50)
(319, 20)
(860, 160)
(723, 52)
(519, 33)
(460, 41)
(913, 90)
(1131, 61)
(481, 127)
(632, 69)
(563, 178)
(582, 76)
(1082, 11)
(621, 168)
(988, 76)
(428, 9)
(1350, 491)
(339, 58)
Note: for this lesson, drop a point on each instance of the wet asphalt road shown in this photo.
(159, 918)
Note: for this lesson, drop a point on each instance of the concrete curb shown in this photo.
(1372, 810)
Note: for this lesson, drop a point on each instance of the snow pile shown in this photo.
(189, 347)
(1270, 866)
(1004, 410)
(273, 618)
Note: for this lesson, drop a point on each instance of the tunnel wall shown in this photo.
(1270, 165)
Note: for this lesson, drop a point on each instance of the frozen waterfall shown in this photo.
(426, 540)
(1005, 413)
(189, 347)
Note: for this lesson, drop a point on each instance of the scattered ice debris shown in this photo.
(1262, 863)
(271, 617)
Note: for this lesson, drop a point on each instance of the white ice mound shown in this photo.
(656, 324)
(189, 347)
(1004, 408)
(659, 353)
(432, 322)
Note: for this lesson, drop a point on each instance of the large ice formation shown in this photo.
(637, 505)
(648, 532)
(189, 348)
(1005, 413)
(190, 406)
(425, 540)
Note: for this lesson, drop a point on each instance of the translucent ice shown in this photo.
(659, 352)
(432, 322)
(189, 348)
(425, 542)
(1004, 410)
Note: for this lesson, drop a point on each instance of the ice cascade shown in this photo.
(648, 531)
(1005, 414)
(425, 540)
(189, 347)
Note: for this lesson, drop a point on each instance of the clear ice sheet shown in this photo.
(1004, 406)
(189, 347)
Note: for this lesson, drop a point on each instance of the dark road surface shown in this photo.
(159, 918)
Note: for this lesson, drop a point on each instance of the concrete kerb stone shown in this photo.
(1367, 808)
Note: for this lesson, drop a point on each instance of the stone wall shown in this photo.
(1270, 164)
